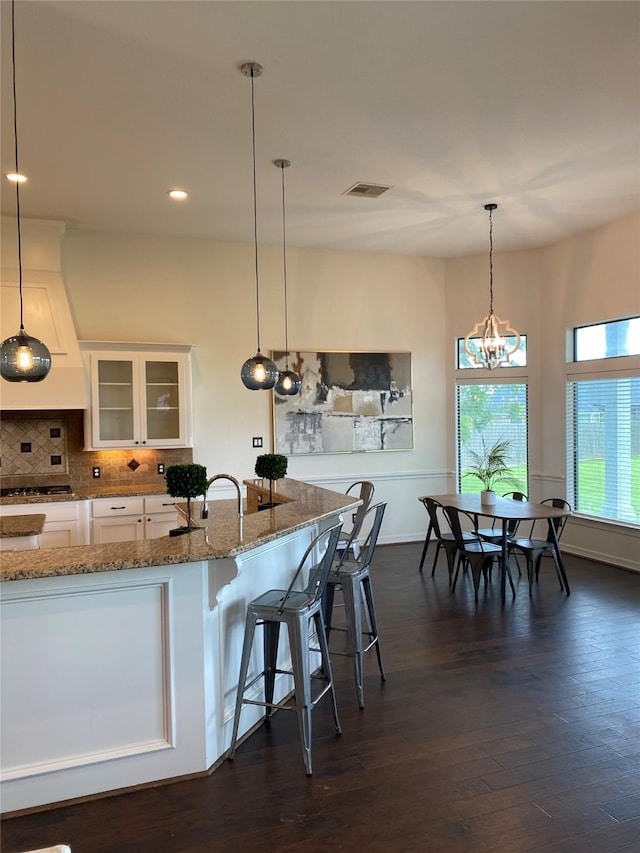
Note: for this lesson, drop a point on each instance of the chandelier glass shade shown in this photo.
(494, 340)
(289, 383)
(23, 358)
(258, 373)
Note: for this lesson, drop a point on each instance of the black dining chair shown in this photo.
(477, 553)
(444, 541)
(535, 549)
(494, 533)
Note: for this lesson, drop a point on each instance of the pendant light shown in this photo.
(257, 373)
(289, 383)
(496, 341)
(22, 358)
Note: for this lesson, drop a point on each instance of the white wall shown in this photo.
(592, 277)
(203, 292)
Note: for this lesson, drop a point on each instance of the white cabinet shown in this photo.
(140, 395)
(132, 519)
(117, 520)
(66, 522)
(160, 516)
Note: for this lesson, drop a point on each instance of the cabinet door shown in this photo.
(163, 417)
(114, 400)
(122, 529)
(160, 524)
(139, 398)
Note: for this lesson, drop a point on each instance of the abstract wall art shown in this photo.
(349, 402)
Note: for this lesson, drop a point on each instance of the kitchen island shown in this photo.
(120, 661)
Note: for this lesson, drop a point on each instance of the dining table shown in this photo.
(505, 510)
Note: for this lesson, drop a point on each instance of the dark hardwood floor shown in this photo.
(510, 730)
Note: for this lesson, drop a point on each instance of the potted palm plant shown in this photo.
(491, 467)
(186, 481)
(271, 466)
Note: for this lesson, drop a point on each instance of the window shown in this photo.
(607, 340)
(488, 413)
(603, 423)
(517, 359)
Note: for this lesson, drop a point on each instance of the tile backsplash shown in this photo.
(46, 448)
(29, 447)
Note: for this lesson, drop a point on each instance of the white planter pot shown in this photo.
(488, 498)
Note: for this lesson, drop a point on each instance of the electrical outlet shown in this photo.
(353, 517)
(160, 467)
(257, 441)
(96, 472)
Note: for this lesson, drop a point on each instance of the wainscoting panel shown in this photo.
(83, 639)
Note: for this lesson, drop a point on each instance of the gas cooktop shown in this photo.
(34, 491)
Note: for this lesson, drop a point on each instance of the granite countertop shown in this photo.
(22, 525)
(225, 536)
(88, 493)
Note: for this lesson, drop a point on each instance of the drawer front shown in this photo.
(113, 507)
(54, 510)
(161, 503)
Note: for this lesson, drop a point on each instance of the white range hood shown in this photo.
(47, 316)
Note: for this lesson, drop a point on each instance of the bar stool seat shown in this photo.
(301, 612)
(353, 579)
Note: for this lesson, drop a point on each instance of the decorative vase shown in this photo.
(488, 497)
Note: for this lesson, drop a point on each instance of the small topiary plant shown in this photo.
(271, 466)
(187, 481)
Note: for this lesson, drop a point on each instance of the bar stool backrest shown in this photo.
(318, 572)
(365, 493)
(377, 510)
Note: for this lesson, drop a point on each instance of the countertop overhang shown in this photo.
(225, 535)
(30, 524)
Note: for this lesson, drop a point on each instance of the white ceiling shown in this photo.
(532, 104)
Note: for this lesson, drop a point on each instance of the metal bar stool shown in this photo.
(350, 539)
(301, 612)
(352, 577)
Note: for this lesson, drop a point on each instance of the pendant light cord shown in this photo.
(255, 207)
(490, 262)
(284, 274)
(15, 141)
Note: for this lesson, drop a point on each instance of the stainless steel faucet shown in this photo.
(205, 505)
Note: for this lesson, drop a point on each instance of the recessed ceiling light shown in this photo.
(16, 178)
(177, 194)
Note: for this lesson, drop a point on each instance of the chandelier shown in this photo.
(492, 341)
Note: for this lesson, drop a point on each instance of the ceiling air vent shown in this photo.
(366, 190)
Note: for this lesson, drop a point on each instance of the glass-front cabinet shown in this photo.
(139, 398)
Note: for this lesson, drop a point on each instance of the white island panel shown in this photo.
(102, 682)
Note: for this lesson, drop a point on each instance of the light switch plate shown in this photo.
(257, 441)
